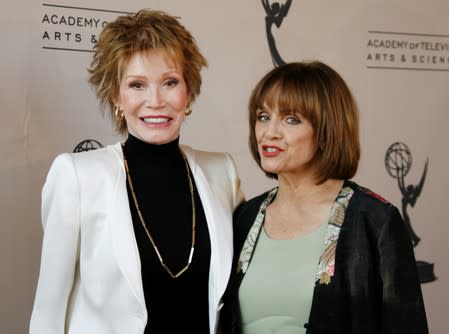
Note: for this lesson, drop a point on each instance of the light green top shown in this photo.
(276, 293)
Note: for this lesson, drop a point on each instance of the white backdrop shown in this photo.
(394, 55)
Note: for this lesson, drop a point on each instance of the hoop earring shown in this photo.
(189, 109)
(118, 113)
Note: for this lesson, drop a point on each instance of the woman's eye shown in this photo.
(136, 85)
(171, 82)
(263, 118)
(293, 120)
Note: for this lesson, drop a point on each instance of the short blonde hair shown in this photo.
(319, 93)
(130, 34)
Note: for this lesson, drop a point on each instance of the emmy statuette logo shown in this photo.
(398, 161)
(276, 12)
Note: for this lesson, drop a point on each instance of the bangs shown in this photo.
(283, 94)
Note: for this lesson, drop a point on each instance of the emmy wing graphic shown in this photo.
(398, 161)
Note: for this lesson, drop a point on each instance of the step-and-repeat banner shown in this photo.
(393, 54)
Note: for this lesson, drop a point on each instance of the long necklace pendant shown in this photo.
(191, 255)
(144, 225)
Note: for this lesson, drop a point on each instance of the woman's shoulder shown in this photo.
(251, 207)
(245, 215)
(98, 159)
(371, 203)
(213, 163)
(367, 195)
(201, 156)
(256, 200)
(109, 151)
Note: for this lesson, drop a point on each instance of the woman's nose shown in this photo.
(273, 129)
(154, 98)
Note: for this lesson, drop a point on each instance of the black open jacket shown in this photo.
(375, 287)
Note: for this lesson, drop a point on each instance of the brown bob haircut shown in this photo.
(143, 31)
(318, 93)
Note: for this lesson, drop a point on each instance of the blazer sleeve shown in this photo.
(60, 249)
(237, 194)
(402, 300)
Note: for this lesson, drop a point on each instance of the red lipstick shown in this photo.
(271, 150)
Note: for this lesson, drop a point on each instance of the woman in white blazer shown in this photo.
(138, 235)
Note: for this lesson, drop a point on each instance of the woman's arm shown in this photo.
(402, 301)
(60, 247)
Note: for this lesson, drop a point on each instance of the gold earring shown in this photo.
(118, 113)
(189, 111)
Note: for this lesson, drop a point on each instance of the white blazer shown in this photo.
(90, 277)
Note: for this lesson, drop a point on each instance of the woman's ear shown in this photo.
(116, 101)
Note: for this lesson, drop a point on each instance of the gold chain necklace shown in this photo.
(192, 194)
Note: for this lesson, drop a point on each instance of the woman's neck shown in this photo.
(306, 191)
(137, 147)
(300, 207)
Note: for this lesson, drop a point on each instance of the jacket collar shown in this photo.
(326, 265)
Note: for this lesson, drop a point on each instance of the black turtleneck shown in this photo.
(159, 177)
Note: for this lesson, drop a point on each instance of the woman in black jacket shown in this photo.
(318, 253)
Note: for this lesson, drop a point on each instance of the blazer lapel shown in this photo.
(220, 234)
(122, 232)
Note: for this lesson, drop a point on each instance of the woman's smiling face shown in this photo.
(286, 142)
(153, 96)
